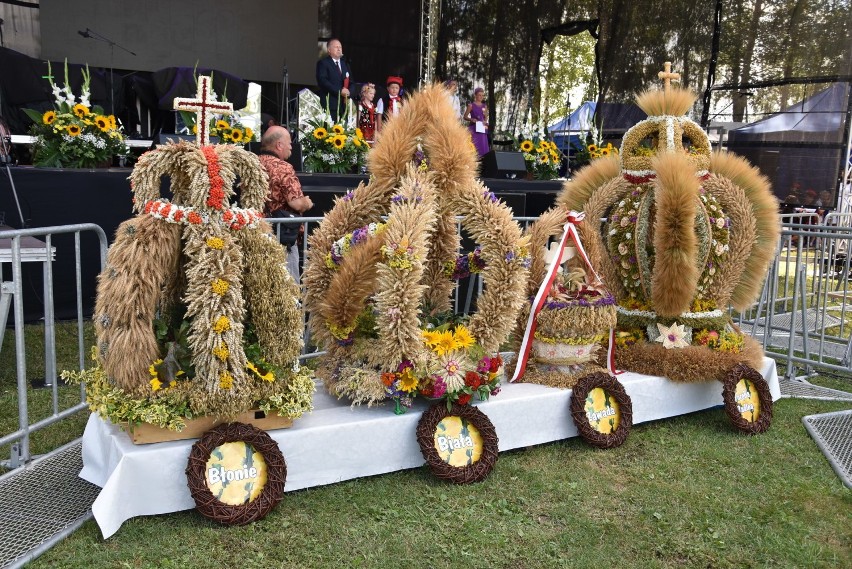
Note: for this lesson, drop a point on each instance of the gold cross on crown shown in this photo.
(667, 75)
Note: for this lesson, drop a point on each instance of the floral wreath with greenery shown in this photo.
(366, 308)
(541, 156)
(333, 147)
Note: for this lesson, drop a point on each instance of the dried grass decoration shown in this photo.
(687, 234)
(459, 444)
(372, 285)
(196, 313)
(236, 474)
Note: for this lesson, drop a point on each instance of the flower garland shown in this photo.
(342, 246)
(235, 218)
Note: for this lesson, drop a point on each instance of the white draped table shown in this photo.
(336, 442)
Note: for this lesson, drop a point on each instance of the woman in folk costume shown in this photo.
(391, 105)
(367, 115)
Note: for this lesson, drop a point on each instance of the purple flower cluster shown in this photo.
(603, 300)
(349, 195)
(466, 264)
(490, 196)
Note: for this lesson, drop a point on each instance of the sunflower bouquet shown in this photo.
(74, 134)
(333, 148)
(227, 128)
(541, 156)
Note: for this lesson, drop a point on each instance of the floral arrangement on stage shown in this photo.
(687, 234)
(74, 134)
(196, 314)
(227, 128)
(541, 156)
(379, 276)
(335, 148)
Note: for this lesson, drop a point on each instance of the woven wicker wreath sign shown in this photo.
(748, 402)
(381, 262)
(459, 444)
(602, 410)
(236, 474)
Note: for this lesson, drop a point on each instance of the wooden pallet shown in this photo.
(146, 433)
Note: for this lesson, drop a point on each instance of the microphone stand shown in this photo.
(6, 158)
(112, 45)
(285, 106)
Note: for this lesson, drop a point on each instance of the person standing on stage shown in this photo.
(285, 197)
(333, 79)
(452, 87)
(367, 115)
(476, 116)
(390, 106)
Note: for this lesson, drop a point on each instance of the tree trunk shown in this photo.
(741, 100)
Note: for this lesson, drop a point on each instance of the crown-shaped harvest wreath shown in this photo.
(380, 262)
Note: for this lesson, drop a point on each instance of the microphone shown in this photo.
(84, 34)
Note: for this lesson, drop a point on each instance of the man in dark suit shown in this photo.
(333, 79)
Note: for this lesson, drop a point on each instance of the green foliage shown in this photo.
(329, 147)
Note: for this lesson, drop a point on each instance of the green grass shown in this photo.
(683, 492)
(687, 491)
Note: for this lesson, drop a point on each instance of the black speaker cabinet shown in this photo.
(497, 164)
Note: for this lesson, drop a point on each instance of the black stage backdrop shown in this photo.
(379, 41)
(54, 197)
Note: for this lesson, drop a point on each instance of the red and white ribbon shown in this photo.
(569, 231)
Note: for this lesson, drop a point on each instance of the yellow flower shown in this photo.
(80, 110)
(152, 369)
(553, 146)
(407, 381)
(320, 133)
(445, 343)
(226, 380)
(48, 117)
(593, 148)
(462, 337)
(220, 124)
(430, 337)
(224, 136)
(195, 129)
(156, 384)
(112, 124)
(219, 286)
(339, 141)
(544, 159)
(73, 129)
(337, 129)
(605, 151)
(249, 134)
(215, 242)
(222, 324)
(102, 123)
(268, 376)
(554, 156)
(356, 142)
(526, 145)
(236, 135)
(221, 351)
(359, 134)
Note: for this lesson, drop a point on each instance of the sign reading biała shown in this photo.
(602, 411)
(747, 400)
(236, 473)
(457, 441)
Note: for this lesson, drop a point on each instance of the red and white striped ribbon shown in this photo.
(570, 231)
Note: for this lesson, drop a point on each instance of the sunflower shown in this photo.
(544, 159)
(357, 142)
(553, 146)
(605, 152)
(339, 141)
(220, 124)
(320, 133)
(102, 123)
(526, 146)
(112, 124)
(73, 129)
(80, 110)
(249, 134)
(593, 148)
(236, 134)
(48, 117)
(554, 156)
(358, 133)
(444, 343)
(430, 338)
(463, 338)
(407, 381)
(337, 129)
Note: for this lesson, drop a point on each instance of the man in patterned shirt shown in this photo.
(285, 191)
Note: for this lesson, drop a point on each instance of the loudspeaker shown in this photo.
(498, 164)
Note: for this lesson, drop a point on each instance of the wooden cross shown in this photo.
(202, 106)
(667, 75)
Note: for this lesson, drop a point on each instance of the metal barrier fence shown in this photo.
(22, 246)
(804, 313)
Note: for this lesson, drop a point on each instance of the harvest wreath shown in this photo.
(196, 314)
(379, 291)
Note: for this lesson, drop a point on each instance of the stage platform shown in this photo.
(53, 197)
(337, 442)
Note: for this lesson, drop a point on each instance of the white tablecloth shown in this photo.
(336, 442)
